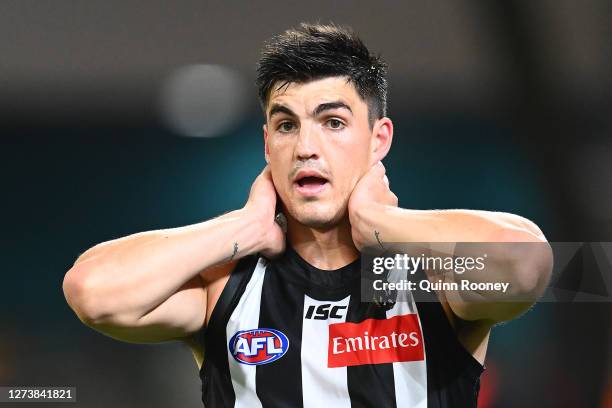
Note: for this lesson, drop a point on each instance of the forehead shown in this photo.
(309, 94)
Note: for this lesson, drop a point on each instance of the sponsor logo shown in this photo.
(375, 341)
(325, 311)
(258, 346)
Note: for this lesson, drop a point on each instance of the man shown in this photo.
(280, 314)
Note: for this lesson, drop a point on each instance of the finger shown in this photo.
(378, 169)
(386, 180)
(267, 173)
(395, 199)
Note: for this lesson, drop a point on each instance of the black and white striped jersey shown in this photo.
(287, 334)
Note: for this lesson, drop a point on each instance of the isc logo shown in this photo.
(258, 346)
(325, 311)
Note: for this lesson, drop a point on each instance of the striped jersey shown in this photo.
(287, 334)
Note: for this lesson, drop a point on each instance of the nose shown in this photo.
(307, 143)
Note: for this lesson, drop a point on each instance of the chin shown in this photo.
(319, 218)
(317, 222)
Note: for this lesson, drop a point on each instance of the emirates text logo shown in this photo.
(375, 341)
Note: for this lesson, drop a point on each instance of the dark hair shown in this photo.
(315, 51)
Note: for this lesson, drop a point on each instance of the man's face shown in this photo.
(318, 144)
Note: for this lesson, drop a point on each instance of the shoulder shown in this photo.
(216, 282)
(213, 281)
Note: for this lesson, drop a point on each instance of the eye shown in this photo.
(335, 124)
(283, 128)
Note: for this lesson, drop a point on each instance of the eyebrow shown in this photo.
(278, 108)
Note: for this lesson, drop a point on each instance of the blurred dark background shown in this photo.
(119, 117)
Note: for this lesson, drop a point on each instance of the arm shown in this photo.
(149, 286)
(527, 267)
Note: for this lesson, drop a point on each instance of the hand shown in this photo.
(371, 192)
(262, 206)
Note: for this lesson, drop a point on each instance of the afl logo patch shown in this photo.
(258, 346)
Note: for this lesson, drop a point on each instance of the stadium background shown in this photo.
(120, 117)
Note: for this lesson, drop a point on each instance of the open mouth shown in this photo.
(311, 181)
(311, 185)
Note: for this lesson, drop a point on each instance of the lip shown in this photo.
(309, 190)
(308, 173)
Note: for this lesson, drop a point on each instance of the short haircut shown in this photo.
(317, 51)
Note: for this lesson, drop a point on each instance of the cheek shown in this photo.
(279, 177)
(352, 162)
(280, 164)
(355, 148)
(349, 177)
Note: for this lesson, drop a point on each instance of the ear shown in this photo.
(266, 148)
(382, 136)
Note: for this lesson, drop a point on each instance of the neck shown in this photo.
(325, 249)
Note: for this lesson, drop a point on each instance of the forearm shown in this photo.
(393, 224)
(516, 253)
(134, 274)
